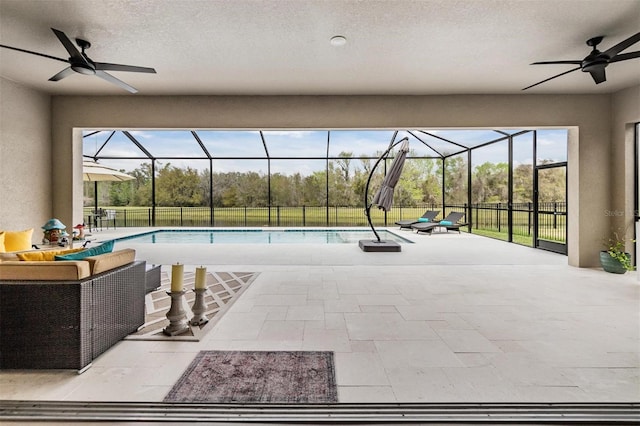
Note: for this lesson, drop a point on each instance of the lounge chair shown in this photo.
(428, 217)
(449, 222)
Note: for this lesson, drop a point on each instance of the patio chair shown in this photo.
(110, 216)
(95, 219)
(428, 216)
(449, 222)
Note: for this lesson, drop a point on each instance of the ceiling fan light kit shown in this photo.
(596, 61)
(80, 62)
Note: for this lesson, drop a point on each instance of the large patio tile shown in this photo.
(360, 369)
(238, 326)
(282, 330)
(525, 369)
(552, 394)
(344, 304)
(39, 385)
(421, 385)
(305, 313)
(261, 345)
(324, 291)
(272, 312)
(366, 394)
(281, 299)
(467, 341)
(487, 375)
(334, 321)
(352, 287)
(607, 384)
(419, 312)
(141, 383)
(386, 326)
(321, 339)
(138, 354)
(380, 299)
(580, 353)
(416, 354)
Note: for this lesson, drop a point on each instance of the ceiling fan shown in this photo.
(596, 61)
(81, 63)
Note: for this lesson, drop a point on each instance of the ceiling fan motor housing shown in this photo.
(83, 68)
(596, 60)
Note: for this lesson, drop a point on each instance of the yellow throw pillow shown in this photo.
(17, 240)
(45, 255)
(2, 250)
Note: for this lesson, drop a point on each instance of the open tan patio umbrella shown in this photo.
(384, 197)
(94, 172)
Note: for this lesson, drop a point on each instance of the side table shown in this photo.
(152, 281)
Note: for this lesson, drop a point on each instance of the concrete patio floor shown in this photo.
(452, 318)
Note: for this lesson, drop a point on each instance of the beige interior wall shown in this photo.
(625, 112)
(590, 114)
(25, 158)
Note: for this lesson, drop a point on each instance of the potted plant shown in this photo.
(614, 258)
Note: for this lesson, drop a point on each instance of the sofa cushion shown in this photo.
(108, 261)
(17, 240)
(45, 255)
(93, 251)
(21, 270)
(8, 256)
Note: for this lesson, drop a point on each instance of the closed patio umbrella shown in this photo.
(384, 197)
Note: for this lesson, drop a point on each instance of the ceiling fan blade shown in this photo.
(551, 78)
(117, 67)
(62, 74)
(74, 53)
(111, 79)
(557, 62)
(613, 51)
(599, 75)
(34, 53)
(625, 56)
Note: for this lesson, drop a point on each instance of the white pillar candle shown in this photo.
(177, 277)
(201, 277)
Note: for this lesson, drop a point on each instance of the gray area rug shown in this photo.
(257, 376)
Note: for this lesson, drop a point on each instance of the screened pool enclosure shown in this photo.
(510, 183)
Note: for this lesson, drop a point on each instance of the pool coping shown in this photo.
(402, 239)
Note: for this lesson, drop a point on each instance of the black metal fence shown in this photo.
(552, 218)
(491, 218)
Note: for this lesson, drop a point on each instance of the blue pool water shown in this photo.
(259, 236)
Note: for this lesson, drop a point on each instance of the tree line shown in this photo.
(345, 178)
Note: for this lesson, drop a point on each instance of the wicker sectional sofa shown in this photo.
(64, 314)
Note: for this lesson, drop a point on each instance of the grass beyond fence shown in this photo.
(490, 220)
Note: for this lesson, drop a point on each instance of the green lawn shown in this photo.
(489, 223)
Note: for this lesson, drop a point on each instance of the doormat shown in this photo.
(223, 288)
(256, 376)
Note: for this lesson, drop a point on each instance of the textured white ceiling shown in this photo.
(281, 47)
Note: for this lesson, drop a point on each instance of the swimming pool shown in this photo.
(260, 236)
